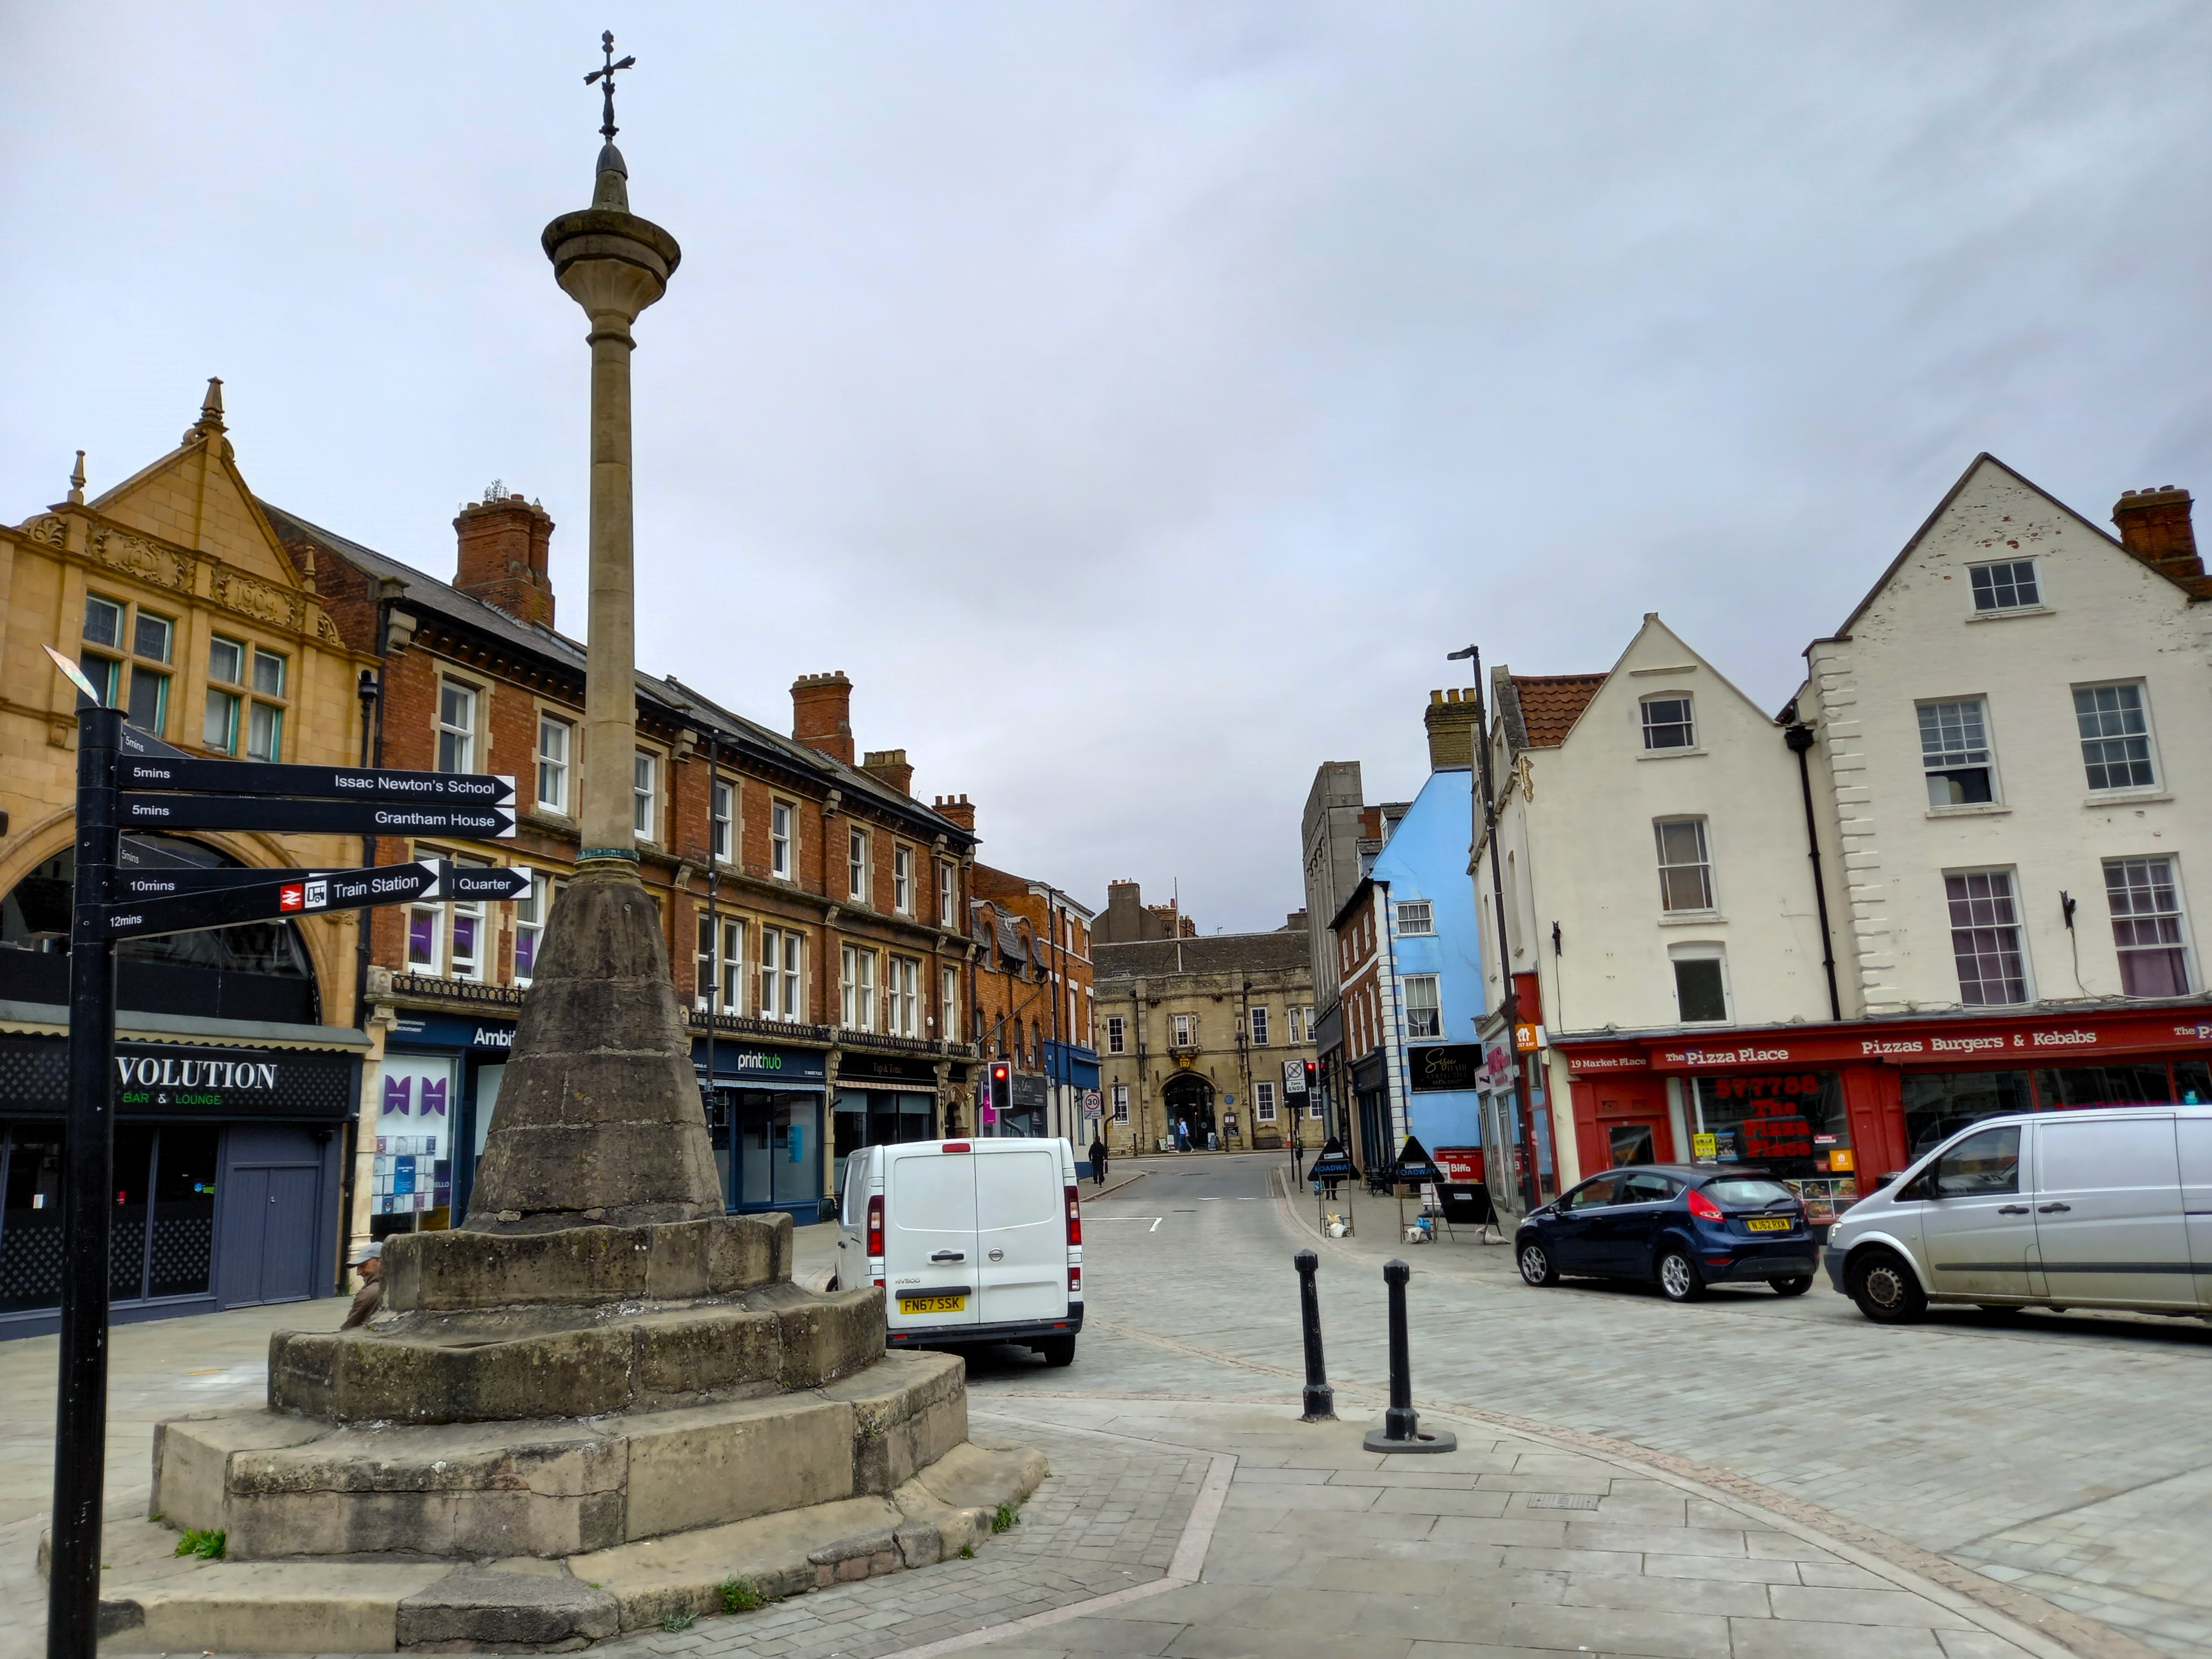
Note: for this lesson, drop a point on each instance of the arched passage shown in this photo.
(1188, 1098)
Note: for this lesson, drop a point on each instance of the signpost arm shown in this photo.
(81, 1416)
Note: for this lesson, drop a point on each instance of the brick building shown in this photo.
(171, 590)
(1196, 1030)
(813, 907)
(1035, 1001)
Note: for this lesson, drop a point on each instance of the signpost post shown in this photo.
(155, 892)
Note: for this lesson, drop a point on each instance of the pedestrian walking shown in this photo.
(1182, 1134)
(1098, 1160)
(368, 1300)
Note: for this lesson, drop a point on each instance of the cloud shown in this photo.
(1138, 401)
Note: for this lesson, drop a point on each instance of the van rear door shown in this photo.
(1021, 1207)
(929, 1238)
(2194, 1138)
(2108, 1212)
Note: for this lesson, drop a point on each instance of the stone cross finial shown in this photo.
(606, 76)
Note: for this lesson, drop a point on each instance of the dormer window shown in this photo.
(2007, 585)
(1668, 723)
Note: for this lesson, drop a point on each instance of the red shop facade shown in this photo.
(1827, 1108)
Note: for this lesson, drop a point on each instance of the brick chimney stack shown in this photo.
(957, 808)
(504, 543)
(822, 713)
(1450, 719)
(2154, 526)
(890, 766)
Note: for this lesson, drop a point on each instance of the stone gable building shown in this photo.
(1196, 1030)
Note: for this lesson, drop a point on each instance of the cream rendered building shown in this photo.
(1654, 849)
(1955, 714)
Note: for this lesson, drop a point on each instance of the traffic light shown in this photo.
(1002, 1088)
(1313, 1077)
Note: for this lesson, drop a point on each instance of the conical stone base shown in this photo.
(599, 1118)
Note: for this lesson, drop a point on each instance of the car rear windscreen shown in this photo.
(1747, 1189)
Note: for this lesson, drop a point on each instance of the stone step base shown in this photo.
(152, 1601)
(278, 1485)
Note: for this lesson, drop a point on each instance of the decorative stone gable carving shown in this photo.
(148, 561)
(263, 601)
(47, 528)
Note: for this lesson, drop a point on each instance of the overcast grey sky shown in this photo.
(1138, 401)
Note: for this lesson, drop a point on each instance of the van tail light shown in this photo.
(876, 1225)
(1703, 1208)
(1075, 1281)
(1074, 1216)
(957, 1147)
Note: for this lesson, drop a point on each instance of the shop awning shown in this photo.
(52, 1019)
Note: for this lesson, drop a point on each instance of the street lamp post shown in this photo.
(1487, 806)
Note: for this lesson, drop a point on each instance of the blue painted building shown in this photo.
(1436, 957)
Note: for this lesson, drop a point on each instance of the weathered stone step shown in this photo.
(152, 1601)
(278, 1485)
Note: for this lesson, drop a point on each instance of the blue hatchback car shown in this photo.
(1683, 1225)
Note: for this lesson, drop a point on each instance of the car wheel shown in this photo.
(1885, 1289)
(1796, 1286)
(1679, 1278)
(1057, 1350)
(1536, 1267)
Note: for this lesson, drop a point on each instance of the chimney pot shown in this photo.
(2155, 526)
(822, 713)
(503, 556)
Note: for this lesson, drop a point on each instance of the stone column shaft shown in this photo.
(610, 687)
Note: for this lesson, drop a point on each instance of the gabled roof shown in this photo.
(1211, 953)
(1550, 704)
(425, 592)
(1944, 505)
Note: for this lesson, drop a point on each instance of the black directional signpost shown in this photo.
(131, 888)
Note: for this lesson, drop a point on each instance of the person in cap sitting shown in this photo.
(368, 1300)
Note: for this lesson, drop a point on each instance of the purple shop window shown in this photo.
(422, 937)
(525, 951)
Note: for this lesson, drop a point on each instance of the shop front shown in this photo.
(1378, 1147)
(765, 1117)
(437, 1093)
(229, 1147)
(1825, 1108)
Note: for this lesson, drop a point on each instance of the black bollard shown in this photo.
(1319, 1398)
(1402, 1424)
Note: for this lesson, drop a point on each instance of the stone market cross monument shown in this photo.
(601, 1398)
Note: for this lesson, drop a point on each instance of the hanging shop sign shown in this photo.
(1431, 1068)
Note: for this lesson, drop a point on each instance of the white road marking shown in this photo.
(1154, 1219)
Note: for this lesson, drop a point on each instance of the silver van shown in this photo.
(2107, 1208)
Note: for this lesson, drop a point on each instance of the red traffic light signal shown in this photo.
(1002, 1087)
(1313, 1077)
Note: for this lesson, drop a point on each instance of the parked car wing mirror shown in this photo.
(1888, 1178)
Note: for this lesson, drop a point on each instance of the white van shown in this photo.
(970, 1241)
(2106, 1207)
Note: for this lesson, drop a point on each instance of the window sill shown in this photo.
(1698, 753)
(1979, 809)
(2011, 611)
(1693, 918)
(2127, 798)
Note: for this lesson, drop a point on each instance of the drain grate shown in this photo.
(1561, 1500)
